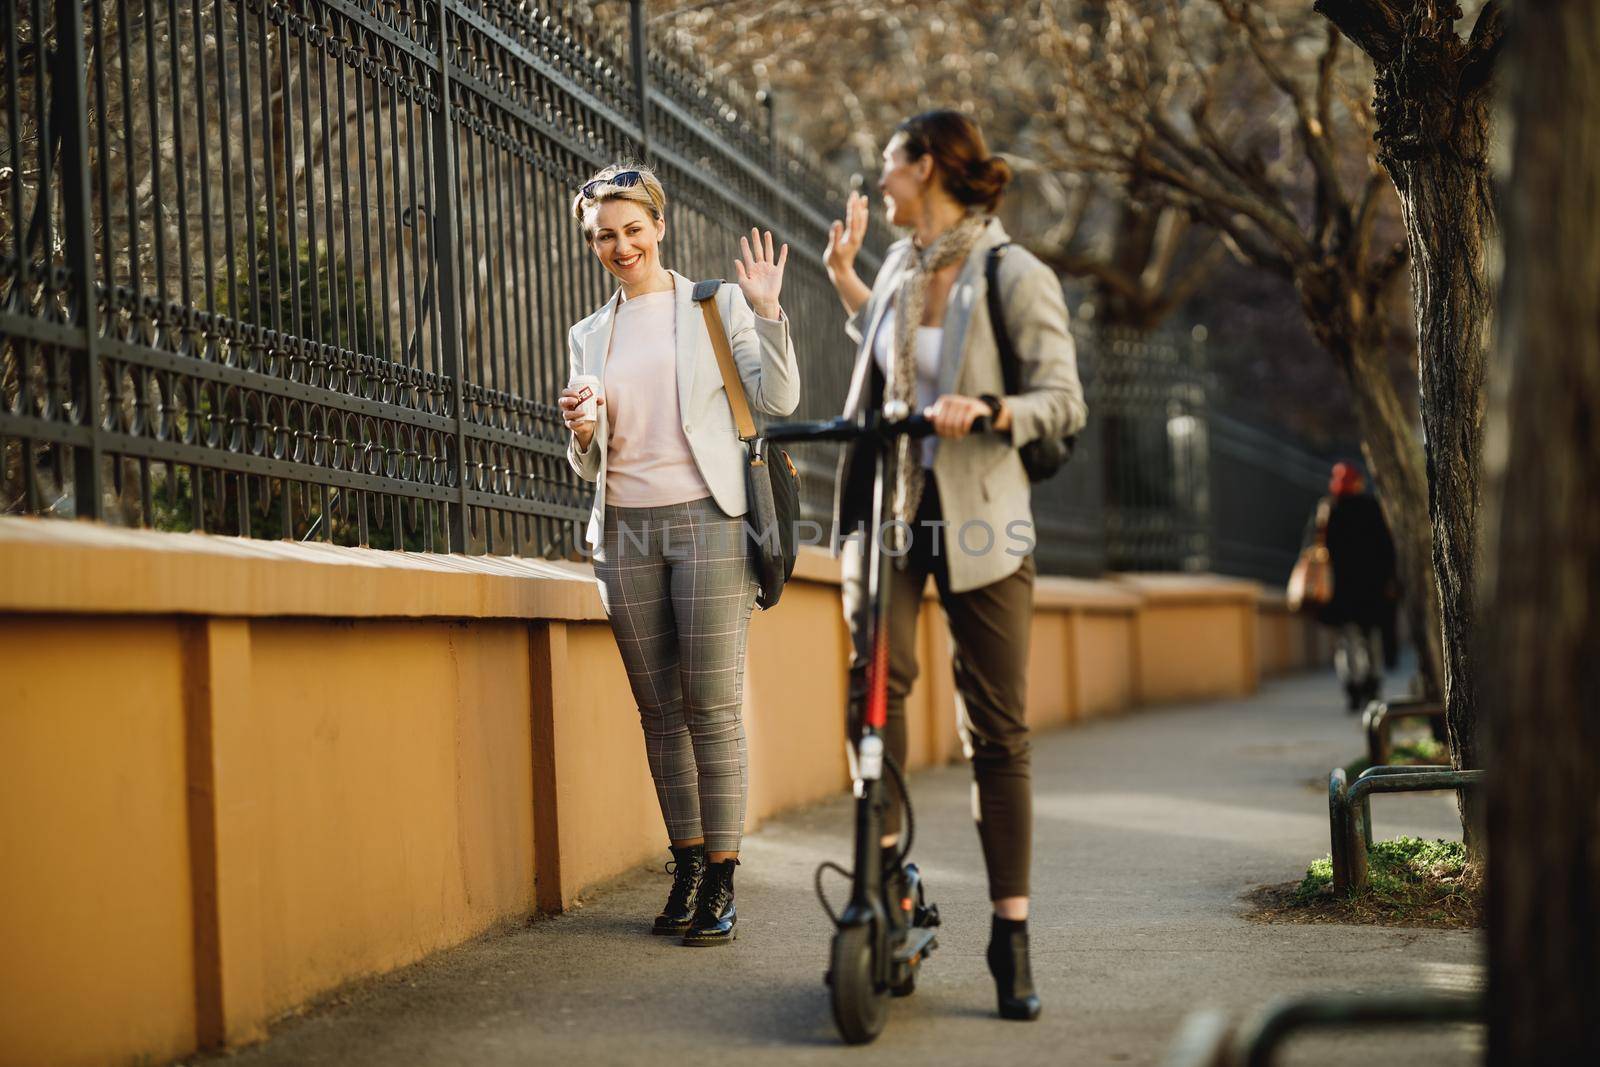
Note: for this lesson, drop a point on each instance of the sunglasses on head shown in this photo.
(623, 179)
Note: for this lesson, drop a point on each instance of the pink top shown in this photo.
(648, 462)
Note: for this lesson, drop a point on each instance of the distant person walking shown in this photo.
(1365, 588)
(651, 426)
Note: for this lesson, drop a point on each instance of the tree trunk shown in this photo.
(1544, 623)
(1449, 217)
(1432, 106)
(1394, 456)
(1433, 137)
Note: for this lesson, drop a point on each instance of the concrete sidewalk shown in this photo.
(1149, 828)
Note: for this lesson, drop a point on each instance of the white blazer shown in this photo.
(764, 355)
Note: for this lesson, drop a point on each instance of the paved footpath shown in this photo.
(1149, 828)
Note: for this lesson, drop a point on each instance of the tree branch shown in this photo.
(1246, 246)
(1081, 266)
(1483, 48)
(1387, 271)
(1248, 239)
(1326, 67)
(1367, 214)
(1220, 169)
(1195, 275)
(1332, 209)
(1374, 26)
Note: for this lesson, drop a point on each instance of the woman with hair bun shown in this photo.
(924, 338)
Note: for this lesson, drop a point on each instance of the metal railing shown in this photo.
(305, 270)
(1208, 1038)
(1153, 403)
(1377, 722)
(1350, 811)
(1263, 490)
(1187, 487)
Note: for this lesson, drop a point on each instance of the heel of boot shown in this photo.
(1009, 963)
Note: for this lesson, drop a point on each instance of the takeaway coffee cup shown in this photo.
(587, 386)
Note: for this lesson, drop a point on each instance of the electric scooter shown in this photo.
(885, 930)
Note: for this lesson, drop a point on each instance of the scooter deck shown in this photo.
(918, 941)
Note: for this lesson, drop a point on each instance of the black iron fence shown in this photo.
(1165, 480)
(305, 270)
(1263, 492)
(1154, 407)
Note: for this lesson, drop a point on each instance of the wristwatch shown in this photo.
(996, 405)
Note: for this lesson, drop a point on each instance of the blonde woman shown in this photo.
(924, 338)
(667, 530)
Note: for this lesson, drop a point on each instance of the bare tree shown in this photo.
(1247, 116)
(851, 71)
(1540, 615)
(1433, 133)
(1143, 261)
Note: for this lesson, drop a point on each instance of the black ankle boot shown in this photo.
(714, 918)
(1013, 975)
(688, 870)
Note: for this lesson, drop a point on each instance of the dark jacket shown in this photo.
(1362, 554)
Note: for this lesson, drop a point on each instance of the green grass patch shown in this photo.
(1421, 750)
(1417, 752)
(1410, 882)
(1396, 870)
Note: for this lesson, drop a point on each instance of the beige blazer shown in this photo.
(981, 479)
(764, 355)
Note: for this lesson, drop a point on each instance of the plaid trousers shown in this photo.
(679, 588)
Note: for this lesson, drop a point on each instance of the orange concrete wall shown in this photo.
(1196, 637)
(1106, 652)
(95, 916)
(1287, 641)
(794, 701)
(1273, 640)
(1051, 695)
(234, 774)
(933, 737)
(383, 773)
(599, 798)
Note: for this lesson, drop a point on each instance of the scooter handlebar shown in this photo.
(846, 429)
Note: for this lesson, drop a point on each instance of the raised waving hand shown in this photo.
(761, 273)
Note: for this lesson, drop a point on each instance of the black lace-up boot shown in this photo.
(1013, 975)
(688, 870)
(714, 919)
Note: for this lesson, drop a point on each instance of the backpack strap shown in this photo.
(1009, 370)
(705, 294)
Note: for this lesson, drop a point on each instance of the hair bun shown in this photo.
(987, 178)
(995, 169)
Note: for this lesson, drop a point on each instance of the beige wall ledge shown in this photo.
(1050, 592)
(1190, 588)
(51, 565)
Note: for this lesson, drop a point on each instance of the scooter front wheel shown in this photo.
(859, 1006)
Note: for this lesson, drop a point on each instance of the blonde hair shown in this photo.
(647, 191)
